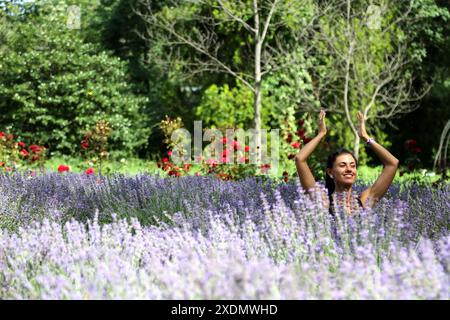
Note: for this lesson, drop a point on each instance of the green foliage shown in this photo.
(9, 150)
(95, 143)
(222, 107)
(55, 87)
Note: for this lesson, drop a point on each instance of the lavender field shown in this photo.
(77, 236)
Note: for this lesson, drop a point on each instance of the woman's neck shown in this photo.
(347, 190)
(343, 188)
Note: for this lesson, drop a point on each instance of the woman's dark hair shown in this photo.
(329, 183)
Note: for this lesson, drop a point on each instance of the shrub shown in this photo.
(55, 87)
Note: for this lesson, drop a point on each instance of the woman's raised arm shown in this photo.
(390, 163)
(306, 177)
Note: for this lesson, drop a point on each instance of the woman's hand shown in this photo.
(322, 125)
(362, 127)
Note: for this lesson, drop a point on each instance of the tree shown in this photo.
(189, 37)
(56, 86)
(369, 61)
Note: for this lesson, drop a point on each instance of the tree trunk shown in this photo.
(356, 147)
(257, 100)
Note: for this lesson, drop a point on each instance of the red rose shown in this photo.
(411, 143)
(89, 171)
(35, 149)
(63, 168)
(169, 153)
(165, 160)
(84, 144)
(224, 140)
(247, 148)
(2, 134)
(289, 138)
(24, 152)
(306, 140)
(296, 145)
(21, 144)
(301, 133)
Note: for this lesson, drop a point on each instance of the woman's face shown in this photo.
(344, 170)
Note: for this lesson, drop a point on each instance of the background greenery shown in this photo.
(57, 82)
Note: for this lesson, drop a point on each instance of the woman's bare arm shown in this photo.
(306, 177)
(390, 163)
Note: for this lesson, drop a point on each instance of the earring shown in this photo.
(332, 177)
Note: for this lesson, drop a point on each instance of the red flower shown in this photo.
(296, 145)
(169, 153)
(89, 171)
(306, 140)
(236, 145)
(35, 158)
(289, 138)
(291, 156)
(301, 133)
(265, 167)
(165, 160)
(247, 148)
(224, 140)
(63, 168)
(411, 143)
(2, 134)
(21, 144)
(84, 144)
(35, 149)
(24, 152)
(187, 166)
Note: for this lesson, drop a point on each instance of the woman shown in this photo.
(341, 169)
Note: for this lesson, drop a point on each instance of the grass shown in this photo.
(133, 166)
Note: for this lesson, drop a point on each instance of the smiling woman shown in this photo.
(341, 171)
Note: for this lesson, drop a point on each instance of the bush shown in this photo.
(55, 87)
